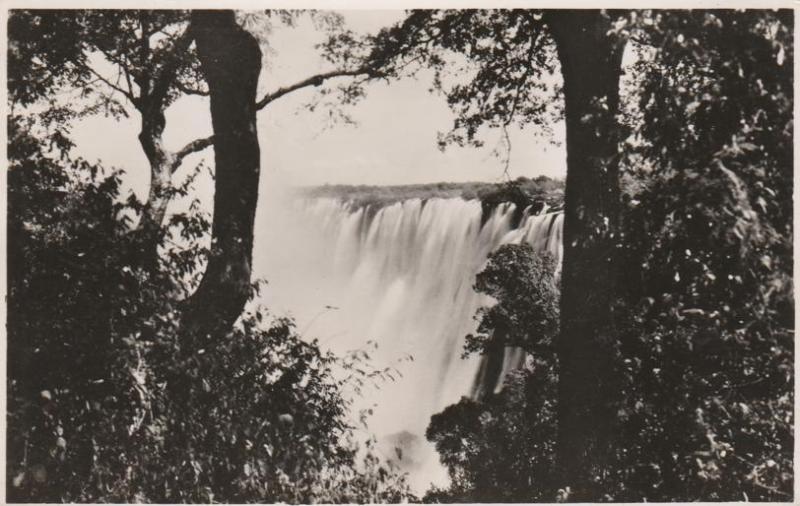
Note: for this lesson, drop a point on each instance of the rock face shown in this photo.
(522, 192)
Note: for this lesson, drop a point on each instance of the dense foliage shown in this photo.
(708, 353)
(704, 329)
(525, 314)
(500, 447)
(103, 406)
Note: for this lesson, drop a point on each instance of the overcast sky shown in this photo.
(394, 141)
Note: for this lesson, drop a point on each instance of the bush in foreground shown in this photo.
(105, 404)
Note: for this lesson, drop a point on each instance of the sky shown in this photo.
(394, 140)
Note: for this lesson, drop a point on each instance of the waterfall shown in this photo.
(400, 276)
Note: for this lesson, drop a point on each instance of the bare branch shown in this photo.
(195, 146)
(316, 80)
(189, 90)
(128, 79)
(198, 145)
(124, 67)
(144, 53)
(113, 86)
(507, 160)
(111, 57)
(201, 144)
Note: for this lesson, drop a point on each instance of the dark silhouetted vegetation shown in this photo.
(102, 404)
(526, 313)
(500, 446)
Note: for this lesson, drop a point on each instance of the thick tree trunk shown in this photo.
(590, 63)
(231, 62)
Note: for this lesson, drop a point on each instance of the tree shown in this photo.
(157, 58)
(148, 51)
(525, 315)
(590, 60)
(96, 347)
(703, 74)
(513, 51)
(231, 63)
(501, 448)
(127, 60)
(708, 348)
(126, 412)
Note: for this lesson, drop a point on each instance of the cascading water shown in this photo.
(400, 276)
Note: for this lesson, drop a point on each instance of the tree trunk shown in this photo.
(231, 62)
(161, 161)
(154, 98)
(591, 65)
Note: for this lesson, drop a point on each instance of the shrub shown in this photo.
(104, 402)
(704, 361)
(500, 449)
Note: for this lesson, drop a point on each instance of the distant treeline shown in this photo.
(522, 191)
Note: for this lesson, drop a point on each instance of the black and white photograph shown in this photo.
(401, 253)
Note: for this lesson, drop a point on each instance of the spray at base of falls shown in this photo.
(400, 276)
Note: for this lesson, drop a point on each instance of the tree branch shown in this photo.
(195, 146)
(316, 80)
(122, 63)
(144, 54)
(189, 90)
(113, 86)
(128, 78)
(198, 145)
(164, 79)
